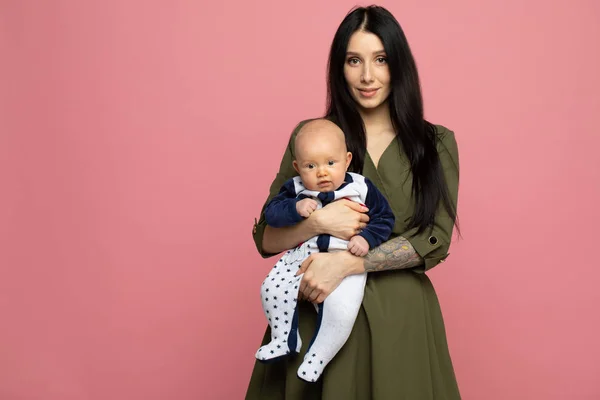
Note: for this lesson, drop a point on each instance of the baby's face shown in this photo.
(322, 159)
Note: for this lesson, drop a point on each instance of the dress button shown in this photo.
(254, 228)
(433, 240)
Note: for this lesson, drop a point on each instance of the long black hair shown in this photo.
(416, 136)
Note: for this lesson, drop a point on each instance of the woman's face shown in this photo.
(366, 70)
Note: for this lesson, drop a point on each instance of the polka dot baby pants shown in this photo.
(279, 293)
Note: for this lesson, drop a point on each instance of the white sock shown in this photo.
(337, 319)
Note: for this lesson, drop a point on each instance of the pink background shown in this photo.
(138, 141)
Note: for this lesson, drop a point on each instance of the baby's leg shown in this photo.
(336, 320)
(279, 293)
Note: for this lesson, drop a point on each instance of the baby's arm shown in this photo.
(281, 211)
(381, 222)
(358, 246)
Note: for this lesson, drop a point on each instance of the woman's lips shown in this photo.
(368, 92)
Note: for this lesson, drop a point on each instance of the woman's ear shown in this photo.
(348, 159)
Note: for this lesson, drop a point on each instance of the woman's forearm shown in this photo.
(276, 240)
(396, 253)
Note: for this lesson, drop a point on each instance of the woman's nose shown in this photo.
(366, 76)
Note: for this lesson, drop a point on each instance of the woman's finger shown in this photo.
(308, 292)
(305, 288)
(302, 287)
(304, 265)
(301, 296)
(356, 206)
(320, 298)
(314, 295)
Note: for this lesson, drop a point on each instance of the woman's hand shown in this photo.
(323, 272)
(342, 218)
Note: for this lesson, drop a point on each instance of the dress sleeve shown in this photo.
(433, 245)
(286, 172)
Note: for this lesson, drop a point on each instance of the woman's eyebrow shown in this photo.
(353, 53)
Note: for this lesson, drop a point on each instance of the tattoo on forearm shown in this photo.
(396, 253)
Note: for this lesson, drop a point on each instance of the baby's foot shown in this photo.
(312, 367)
(280, 347)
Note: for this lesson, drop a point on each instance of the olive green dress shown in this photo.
(397, 349)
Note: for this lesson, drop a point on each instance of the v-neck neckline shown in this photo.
(394, 139)
(376, 177)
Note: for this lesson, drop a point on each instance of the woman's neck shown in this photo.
(377, 120)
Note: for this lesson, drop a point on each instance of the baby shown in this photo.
(322, 162)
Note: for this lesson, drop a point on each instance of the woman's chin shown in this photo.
(370, 104)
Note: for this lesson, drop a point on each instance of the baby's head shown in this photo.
(322, 158)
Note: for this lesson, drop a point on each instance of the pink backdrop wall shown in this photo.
(127, 269)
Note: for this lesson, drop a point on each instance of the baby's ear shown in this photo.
(295, 164)
(348, 159)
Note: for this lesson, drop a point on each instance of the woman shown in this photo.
(398, 348)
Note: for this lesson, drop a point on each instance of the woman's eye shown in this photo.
(381, 60)
(353, 61)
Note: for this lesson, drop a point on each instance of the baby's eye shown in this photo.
(331, 162)
(310, 166)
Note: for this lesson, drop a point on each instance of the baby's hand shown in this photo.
(305, 207)
(358, 246)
